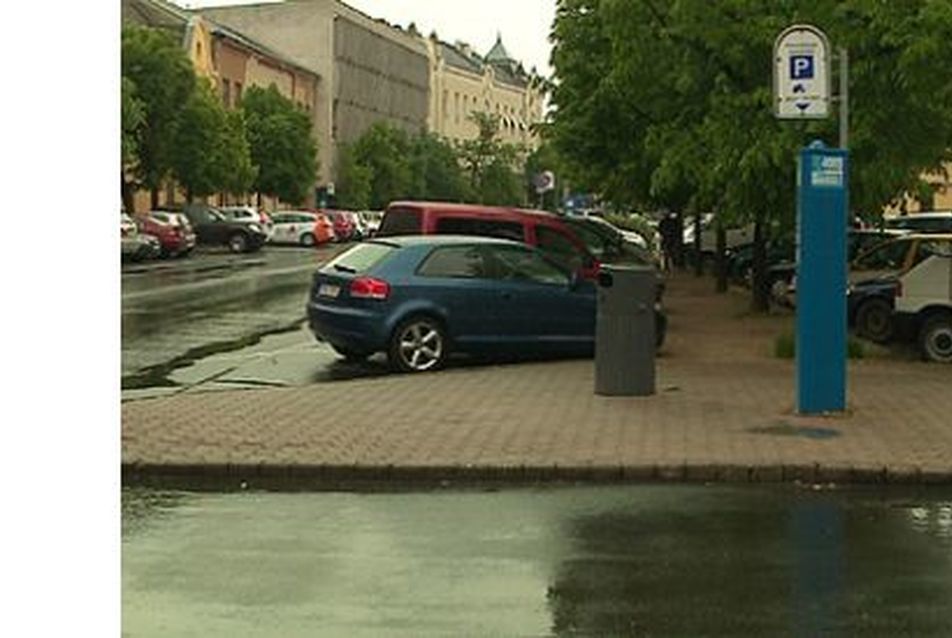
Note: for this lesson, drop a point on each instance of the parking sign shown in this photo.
(802, 74)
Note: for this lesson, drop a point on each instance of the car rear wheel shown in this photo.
(935, 338)
(308, 239)
(418, 345)
(874, 321)
(238, 243)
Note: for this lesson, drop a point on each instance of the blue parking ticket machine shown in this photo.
(822, 204)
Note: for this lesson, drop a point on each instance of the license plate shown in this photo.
(328, 290)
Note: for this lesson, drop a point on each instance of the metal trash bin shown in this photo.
(625, 331)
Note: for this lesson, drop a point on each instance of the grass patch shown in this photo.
(785, 346)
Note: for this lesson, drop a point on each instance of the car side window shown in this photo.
(524, 264)
(559, 248)
(454, 225)
(454, 261)
(400, 221)
(890, 256)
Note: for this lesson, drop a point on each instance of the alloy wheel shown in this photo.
(420, 346)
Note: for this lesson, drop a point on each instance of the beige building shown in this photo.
(232, 62)
(370, 70)
(463, 82)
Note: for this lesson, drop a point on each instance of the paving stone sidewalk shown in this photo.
(723, 411)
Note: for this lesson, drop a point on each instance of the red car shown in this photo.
(344, 228)
(173, 231)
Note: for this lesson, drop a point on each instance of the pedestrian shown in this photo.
(668, 228)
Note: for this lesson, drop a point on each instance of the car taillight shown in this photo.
(369, 288)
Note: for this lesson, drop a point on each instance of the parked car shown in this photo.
(870, 305)
(924, 298)
(344, 227)
(735, 236)
(301, 227)
(173, 231)
(890, 260)
(136, 246)
(930, 222)
(546, 231)
(213, 228)
(420, 298)
(248, 214)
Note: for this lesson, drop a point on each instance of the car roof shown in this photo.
(451, 207)
(444, 240)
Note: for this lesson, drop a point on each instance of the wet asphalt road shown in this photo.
(178, 313)
(596, 561)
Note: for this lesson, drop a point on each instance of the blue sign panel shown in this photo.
(822, 204)
(801, 67)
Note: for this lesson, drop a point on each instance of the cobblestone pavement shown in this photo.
(723, 411)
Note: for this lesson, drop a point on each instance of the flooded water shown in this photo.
(594, 561)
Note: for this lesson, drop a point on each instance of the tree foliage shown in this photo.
(665, 103)
(133, 118)
(158, 68)
(281, 143)
(490, 164)
(211, 152)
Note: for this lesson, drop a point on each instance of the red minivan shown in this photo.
(541, 229)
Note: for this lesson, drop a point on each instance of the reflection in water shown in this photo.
(805, 565)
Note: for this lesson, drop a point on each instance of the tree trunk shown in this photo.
(154, 197)
(698, 252)
(721, 256)
(760, 302)
(679, 241)
(128, 200)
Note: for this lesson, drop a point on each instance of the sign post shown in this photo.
(822, 197)
(802, 74)
(802, 80)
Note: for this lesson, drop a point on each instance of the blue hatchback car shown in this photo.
(418, 298)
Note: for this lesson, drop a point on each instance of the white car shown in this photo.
(300, 227)
(735, 236)
(248, 214)
(924, 297)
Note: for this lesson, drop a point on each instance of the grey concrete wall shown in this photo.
(376, 79)
(369, 72)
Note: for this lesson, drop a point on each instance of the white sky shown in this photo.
(524, 24)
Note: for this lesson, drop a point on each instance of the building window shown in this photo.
(456, 107)
(237, 92)
(446, 99)
(226, 92)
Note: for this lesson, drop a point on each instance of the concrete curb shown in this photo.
(225, 477)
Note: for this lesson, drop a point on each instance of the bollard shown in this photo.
(625, 331)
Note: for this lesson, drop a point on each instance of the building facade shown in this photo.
(463, 83)
(374, 72)
(231, 61)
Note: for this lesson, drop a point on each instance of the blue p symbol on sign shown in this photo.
(801, 67)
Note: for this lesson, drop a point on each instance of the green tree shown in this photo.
(435, 170)
(353, 181)
(282, 146)
(489, 164)
(201, 157)
(133, 119)
(668, 103)
(384, 151)
(157, 66)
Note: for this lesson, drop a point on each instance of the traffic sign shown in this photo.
(802, 74)
(544, 181)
